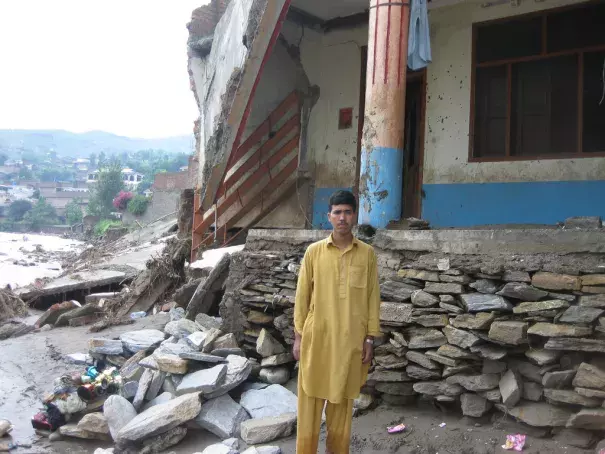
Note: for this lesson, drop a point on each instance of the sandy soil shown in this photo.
(30, 363)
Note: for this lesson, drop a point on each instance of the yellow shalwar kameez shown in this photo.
(337, 306)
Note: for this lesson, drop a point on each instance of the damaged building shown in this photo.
(502, 127)
(480, 119)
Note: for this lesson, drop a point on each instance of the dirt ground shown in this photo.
(29, 364)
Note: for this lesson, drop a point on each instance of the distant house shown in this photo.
(81, 164)
(131, 178)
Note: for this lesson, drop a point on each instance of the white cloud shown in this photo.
(117, 66)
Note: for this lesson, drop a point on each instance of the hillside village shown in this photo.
(66, 183)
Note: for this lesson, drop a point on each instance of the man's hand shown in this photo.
(296, 348)
(368, 352)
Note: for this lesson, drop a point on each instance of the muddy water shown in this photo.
(33, 263)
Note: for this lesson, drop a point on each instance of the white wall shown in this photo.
(448, 106)
(332, 61)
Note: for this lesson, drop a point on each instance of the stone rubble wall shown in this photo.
(522, 334)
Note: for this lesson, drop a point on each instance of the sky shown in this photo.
(118, 66)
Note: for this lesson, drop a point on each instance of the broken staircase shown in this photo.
(261, 173)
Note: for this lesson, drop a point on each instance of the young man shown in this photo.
(336, 319)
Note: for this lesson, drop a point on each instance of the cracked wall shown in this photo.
(515, 192)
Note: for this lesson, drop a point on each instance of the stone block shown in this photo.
(445, 288)
(460, 338)
(590, 376)
(553, 281)
(474, 405)
(589, 419)
(522, 291)
(581, 315)
(559, 330)
(540, 306)
(480, 321)
(512, 333)
(421, 298)
(480, 302)
(511, 389)
(264, 430)
(396, 313)
(558, 379)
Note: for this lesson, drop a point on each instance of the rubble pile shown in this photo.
(191, 376)
(530, 344)
(11, 306)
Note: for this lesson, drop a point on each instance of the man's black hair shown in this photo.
(343, 198)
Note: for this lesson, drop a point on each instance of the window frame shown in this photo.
(508, 63)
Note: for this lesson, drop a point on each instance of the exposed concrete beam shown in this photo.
(345, 22)
(305, 19)
(464, 242)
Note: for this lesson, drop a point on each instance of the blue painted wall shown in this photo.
(320, 206)
(473, 204)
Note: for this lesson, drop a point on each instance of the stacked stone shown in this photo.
(530, 345)
(262, 287)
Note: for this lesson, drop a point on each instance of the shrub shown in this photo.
(138, 205)
(105, 224)
(122, 199)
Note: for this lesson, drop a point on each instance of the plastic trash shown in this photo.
(136, 315)
(442, 425)
(514, 443)
(396, 429)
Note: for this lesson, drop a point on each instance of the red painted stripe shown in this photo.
(401, 48)
(386, 62)
(271, 45)
(375, 42)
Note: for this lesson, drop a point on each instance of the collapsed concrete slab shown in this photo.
(73, 286)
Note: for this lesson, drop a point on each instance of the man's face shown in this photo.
(342, 218)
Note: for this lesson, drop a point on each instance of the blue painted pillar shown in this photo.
(381, 169)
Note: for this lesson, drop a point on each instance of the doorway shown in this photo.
(413, 145)
(413, 154)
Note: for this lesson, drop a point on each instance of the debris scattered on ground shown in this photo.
(11, 306)
(514, 443)
(396, 429)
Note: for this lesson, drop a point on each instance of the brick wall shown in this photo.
(204, 19)
(169, 181)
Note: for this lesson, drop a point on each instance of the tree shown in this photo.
(93, 160)
(41, 213)
(108, 185)
(3, 158)
(120, 202)
(102, 159)
(36, 194)
(138, 205)
(73, 212)
(18, 209)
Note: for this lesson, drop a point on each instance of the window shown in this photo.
(538, 85)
